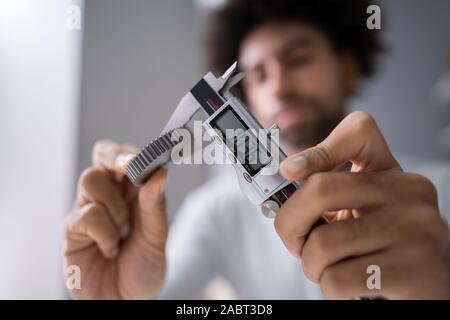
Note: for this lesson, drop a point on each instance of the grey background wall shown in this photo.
(139, 59)
(417, 34)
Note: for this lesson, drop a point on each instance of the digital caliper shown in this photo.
(211, 102)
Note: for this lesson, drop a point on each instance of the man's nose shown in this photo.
(280, 81)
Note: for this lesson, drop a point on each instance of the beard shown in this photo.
(320, 121)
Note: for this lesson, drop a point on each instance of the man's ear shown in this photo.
(351, 71)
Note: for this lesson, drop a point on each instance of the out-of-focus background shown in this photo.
(120, 75)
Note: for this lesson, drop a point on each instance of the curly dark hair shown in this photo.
(343, 21)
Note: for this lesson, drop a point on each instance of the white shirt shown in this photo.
(218, 232)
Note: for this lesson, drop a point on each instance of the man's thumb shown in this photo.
(301, 165)
(151, 214)
(151, 194)
(356, 139)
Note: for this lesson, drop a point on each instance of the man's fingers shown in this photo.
(151, 219)
(92, 222)
(338, 241)
(370, 233)
(349, 279)
(98, 185)
(357, 139)
(385, 273)
(328, 192)
(112, 156)
(151, 194)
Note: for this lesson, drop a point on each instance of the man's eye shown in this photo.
(259, 77)
(299, 61)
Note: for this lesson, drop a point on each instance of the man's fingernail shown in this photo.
(294, 164)
(162, 185)
(123, 159)
(124, 231)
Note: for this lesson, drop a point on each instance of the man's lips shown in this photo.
(290, 116)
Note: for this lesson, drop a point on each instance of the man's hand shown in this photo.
(379, 216)
(117, 233)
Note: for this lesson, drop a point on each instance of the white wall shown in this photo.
(39, 60)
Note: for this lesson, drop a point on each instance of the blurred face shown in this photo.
(296, 79)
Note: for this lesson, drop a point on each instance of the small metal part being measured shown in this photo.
(156, 154)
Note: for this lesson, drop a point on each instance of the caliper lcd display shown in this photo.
(241, 141)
